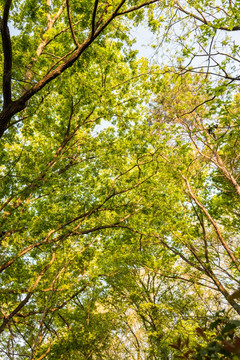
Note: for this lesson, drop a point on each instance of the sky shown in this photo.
(144, 39)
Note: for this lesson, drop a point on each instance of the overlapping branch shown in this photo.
(203, 19)
(12, 108)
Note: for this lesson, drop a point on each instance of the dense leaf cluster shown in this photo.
(119, 227)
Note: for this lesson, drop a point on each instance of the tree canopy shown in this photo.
(119, 176)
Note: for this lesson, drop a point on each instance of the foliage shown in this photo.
(119, 182)
(219, 341)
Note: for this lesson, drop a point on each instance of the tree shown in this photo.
(204, 108)
(59, 45)
(204, 35)
(63, 177)
(110, 225)
(207, 159)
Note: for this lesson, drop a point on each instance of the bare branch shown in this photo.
(49, 20)
(43, 43)
(31, 290)
(71, 24)
(7, 52)
(199, 105)
(94, 16)
(218, 232)
(137, 7)
(48, 349)
(203, 20)
(36, 342)
(18, 105)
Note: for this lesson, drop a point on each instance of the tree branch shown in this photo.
(71, 25)
(94, 17)
(137, 7)
(25, 300)
(203, 19)
(7, 52)
(218, 232)
(14, 107)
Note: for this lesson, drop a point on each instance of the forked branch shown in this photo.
(13, 107)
